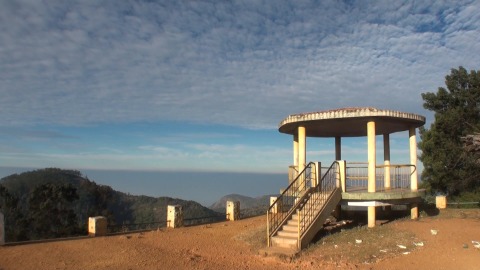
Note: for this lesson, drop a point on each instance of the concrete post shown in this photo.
(302, 154)
(293, 171)
(277, 208)
(97, 226)
(371, 169)
(295, 150)
(441, 202)
(233, 210)
(371, 216)
(386, 158)
(318, 174)
(174, 216)
(342, 174)
(413, 161)
(2, 229)
(338, 148)
(371, 156)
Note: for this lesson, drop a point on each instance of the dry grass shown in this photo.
(256, 237)
(377, 243)
(362, 244)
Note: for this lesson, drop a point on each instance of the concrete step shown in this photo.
(290, 228)
(285, 242)
(278, 251)
(288, 234)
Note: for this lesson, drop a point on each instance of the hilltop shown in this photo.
(249, 206)
(93, 200)
(236, 245)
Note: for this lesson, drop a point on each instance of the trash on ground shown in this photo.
(476, 244)
(434, 232)
(402, 246)
(358, 241)
(418, 244)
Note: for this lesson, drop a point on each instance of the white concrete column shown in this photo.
(174, 216)
(342, 174)
(371, 156)
(97, 226)
(338, 148)
(413, 159)
(371, 216)
(302, 148)
(302, 154)
(386, 158)
(413, 178)
(233, 210)
(277, 205)
(371, 169)
(295, 150)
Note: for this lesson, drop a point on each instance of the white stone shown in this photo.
(174, 216)
(233, 210)
(97, 226)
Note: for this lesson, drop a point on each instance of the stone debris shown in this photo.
(476, 244)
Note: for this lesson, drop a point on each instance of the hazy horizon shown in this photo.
(202, 187)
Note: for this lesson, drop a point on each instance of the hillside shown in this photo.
(93, 200)
(248, 206)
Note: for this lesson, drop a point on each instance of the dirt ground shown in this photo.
(235, 245)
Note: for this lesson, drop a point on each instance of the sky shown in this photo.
(202, 85)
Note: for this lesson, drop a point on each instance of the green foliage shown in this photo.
(55, 203)
(448, 168)
(51, 211)
(9, 207)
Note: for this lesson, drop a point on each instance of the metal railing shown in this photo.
(132, 227)
(317, 199)
(399, 176)
(288, 201)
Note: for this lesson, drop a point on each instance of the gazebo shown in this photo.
(316, 191)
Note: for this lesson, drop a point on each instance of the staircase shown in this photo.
(293, 229)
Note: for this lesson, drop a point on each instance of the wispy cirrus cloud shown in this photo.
(240, 63)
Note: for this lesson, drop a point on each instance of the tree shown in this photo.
(16, 225)
(51, 211)
(448, 167)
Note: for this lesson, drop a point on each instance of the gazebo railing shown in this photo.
(399, 176)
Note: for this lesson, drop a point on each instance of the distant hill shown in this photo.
(93, 199)
(248, 206)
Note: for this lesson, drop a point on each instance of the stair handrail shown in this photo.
(325, 188)
(290, 198)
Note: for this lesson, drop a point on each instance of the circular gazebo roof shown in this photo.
(350, 122)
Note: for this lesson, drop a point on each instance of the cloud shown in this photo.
(246, 63)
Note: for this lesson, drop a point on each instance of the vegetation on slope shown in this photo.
(52, 202)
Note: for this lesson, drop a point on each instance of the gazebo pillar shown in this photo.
(386, 158)
(413, 171)
(371, 169)
(295, 150)
(302, 154)
(302, 148)
(338, 148)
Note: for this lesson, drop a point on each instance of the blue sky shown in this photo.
(202, 85)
